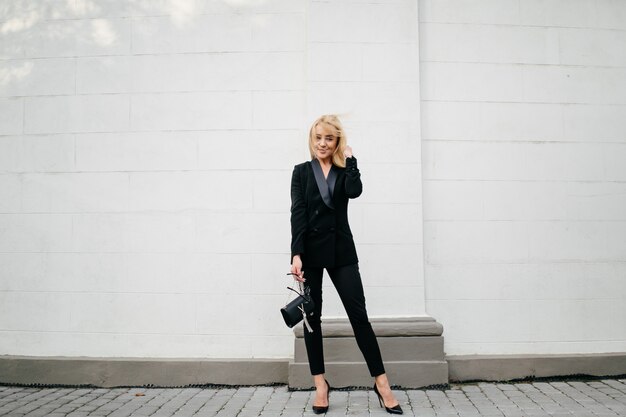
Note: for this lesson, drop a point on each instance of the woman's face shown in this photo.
(325, 141)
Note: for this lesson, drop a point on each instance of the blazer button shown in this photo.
(317, 212)
(315, 229)
(332, 229)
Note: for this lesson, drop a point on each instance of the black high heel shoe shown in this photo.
(319, 409)
(396, 409)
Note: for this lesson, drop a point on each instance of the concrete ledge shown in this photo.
(161, 372)
(345, 349)
(383, 327)
(411, 347)
(508, 367)
(165, 372)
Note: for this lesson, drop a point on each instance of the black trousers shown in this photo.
(347, 281)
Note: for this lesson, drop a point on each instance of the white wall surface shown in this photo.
(367, 71)
(524, 140)
(146, 149)
(146, 153)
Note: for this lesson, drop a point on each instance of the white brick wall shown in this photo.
(145, 156)
(367, 70)
(146, 150)
(524, 144)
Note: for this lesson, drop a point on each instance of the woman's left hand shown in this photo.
(347, 152)
(296, 268)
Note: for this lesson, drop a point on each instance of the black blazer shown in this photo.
(319, 233)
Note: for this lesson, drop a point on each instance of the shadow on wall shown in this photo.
(88, 27)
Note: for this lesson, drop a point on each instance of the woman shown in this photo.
(321, 238)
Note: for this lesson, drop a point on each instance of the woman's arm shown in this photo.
(354, 187)
(298, 221)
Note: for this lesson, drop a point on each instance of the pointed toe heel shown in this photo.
(396, 409)
(323, 409)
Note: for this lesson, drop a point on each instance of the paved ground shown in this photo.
(597, 398)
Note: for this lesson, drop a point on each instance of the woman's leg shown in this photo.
(321, 391)
(313, 340)
(347, 281)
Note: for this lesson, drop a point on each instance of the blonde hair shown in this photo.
(333, 121)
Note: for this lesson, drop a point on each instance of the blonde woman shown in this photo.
(321, 239)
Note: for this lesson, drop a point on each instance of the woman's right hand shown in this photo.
(296, 268)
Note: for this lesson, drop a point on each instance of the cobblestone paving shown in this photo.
(597, 398)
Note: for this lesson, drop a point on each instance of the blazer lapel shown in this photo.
(332, 180)
(322, 185)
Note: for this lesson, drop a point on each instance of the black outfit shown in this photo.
(321, 235)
